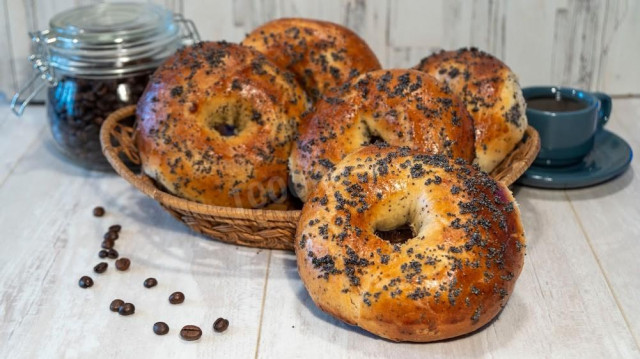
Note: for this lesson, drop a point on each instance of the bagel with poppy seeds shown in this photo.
(321, 54)
(399, 107)
(450, 276)
(492, 95)
(216, 124)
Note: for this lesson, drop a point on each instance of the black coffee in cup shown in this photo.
(556, 104)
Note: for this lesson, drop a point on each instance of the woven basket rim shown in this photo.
(507, 173)
(146, 187)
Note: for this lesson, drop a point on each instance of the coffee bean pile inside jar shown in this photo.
(97, 59)
(76, 108)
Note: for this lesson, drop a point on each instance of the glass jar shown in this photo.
(94, 60)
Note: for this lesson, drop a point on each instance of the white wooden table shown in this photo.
(578, 295)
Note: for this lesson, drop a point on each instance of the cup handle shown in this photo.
(605, 108)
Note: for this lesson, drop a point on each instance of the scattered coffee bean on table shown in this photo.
(127, 309)
(116, 304)
(112, 236)
(98, 211)
(85, 282)
(101, 267)
(220, 325)
(190, 333)
(115, 228)
(112, 253)
(161, 328)
(103, 254)
(107, 244)
(123, 264)
(150, 282)
(176, 298)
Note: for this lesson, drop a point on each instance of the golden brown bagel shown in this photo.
(492, 95)
(400, 107)
(454, 274)
(216, 125)
(323, 55)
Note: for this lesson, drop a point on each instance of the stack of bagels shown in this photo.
(402, 232)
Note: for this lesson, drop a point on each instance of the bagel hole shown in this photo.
(397, 235)
(231, 117)
(371, 136)
(375, 139)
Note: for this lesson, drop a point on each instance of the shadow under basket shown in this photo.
(261, 228)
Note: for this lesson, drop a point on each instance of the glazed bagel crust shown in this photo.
(451, 278)
(400, 107)
(216, 124)
(492, 95)
(323, 55)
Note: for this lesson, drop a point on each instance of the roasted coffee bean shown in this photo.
(127, 309)
(112, 236)
(78, 106)
(101, 267)
(85, 282)
(115, 305)
(123, 264)
(176, 298)
(115, 228)
(98, 211)
(161, 328)
(112, 253)
(103, 254)
(150, 282)
(220, 325)
(190, 333)
(107, 244)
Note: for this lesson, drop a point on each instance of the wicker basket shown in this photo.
(261, 228)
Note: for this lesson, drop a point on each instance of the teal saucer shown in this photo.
(609, 158)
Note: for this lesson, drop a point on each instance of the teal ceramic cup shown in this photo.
(567, 137)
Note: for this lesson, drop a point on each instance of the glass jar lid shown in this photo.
(110, 39)
(110, 24)
(103, 41)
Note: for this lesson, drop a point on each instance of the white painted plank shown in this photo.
(368, 19)
(19, 135)
(331, 10)
(49, 239)
(589, 43)
(6, 72)
(488, 25)
(576, 44)
(407, 57)
(530, 39)
(456, 27)
(214, 20)
(621, 48)
(249, 14)
(561, 306)
(87, 2)
(17, 23)
(416, 23)
(609, 214)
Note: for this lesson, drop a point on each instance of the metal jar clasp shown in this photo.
(42, 71)
(188, 30)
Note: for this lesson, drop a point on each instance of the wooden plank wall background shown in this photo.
(592, 44)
